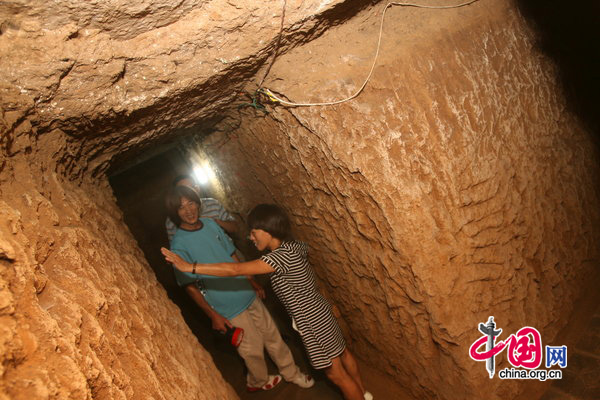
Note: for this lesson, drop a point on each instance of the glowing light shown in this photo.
(204, 173)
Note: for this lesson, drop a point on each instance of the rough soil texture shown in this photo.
(82, 315)
(455, 187)
(91, 97)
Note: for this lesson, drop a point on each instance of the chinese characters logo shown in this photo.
(524, 350)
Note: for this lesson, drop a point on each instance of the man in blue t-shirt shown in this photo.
(230, 301)
(209, 244)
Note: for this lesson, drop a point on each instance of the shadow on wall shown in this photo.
(569, 35)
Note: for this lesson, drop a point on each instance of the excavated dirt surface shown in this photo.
(457, 186)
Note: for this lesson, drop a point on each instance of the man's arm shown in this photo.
(219, 322)
(228, 226)
(171, 229)
(212, 208)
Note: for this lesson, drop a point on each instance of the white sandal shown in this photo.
(303, 380)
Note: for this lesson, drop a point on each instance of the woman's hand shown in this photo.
(260, 291)
(176, 260)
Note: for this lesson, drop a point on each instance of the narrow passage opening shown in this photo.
(140, 191)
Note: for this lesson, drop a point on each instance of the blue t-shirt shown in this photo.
(229, 296)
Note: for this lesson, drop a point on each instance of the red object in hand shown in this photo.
(234, 336)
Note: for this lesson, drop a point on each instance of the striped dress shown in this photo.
(294, 284)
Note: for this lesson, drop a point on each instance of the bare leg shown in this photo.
(340, 377)
(350, 365)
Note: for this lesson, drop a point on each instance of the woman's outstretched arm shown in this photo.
(219, 269)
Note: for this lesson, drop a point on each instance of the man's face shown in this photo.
(191, 184)
(188, 212)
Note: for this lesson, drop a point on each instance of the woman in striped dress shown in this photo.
(294, 284)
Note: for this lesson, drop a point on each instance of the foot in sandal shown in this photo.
(271, 383)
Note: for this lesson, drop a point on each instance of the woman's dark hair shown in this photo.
(272, 219)
(173, 201)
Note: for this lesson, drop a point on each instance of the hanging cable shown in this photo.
(274, 98)
(276, 45)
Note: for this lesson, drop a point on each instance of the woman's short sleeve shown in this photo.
(279, 259)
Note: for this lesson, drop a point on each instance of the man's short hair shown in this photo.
(272, 219)
(179, 178)
(173, 202)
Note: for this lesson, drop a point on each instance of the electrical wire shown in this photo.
(276, 46)
(274, 98)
